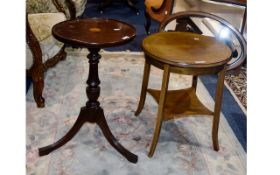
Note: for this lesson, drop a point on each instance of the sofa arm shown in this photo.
(73, 7)
(80, 6)
(40, 6)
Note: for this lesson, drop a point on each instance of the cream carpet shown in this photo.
(184, 146)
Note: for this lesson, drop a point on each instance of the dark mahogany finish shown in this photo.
(93, 34)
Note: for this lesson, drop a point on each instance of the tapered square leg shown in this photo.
(145, 82)
(217, 109)
(164, 87)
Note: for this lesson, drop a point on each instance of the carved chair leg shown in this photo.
(148, 23)
(61, 55)
(144, 88)
(161, 104)
(38, 86)
(217, 110)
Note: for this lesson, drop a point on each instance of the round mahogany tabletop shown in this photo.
(185, 49)
(94, 33)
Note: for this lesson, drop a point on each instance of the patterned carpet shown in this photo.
(237, 83)
(184, 146)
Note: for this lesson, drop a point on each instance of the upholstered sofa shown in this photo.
(43, 50)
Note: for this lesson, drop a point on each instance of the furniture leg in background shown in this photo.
(105, 3)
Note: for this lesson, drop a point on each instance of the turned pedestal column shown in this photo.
(93, 34)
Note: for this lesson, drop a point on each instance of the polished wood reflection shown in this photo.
(186, 49)
(98, 33)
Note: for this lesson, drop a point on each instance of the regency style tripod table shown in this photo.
(93, 34)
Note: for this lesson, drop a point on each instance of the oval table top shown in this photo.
(94, 33)
(185, 49)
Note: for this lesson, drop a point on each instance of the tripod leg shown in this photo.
(102, 123)
(71, 133)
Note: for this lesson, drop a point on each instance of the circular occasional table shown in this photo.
(184, 53)
(93, 34)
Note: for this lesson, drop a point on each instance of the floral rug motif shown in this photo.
(237, 82)
(184, 146)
